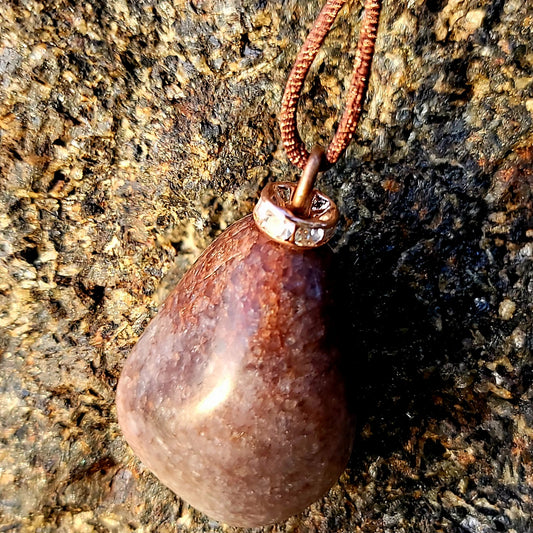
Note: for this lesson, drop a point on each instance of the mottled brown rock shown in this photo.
(233, 396)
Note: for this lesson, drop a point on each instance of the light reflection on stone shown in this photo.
(217, 396)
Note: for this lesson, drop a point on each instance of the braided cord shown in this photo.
(296, 150)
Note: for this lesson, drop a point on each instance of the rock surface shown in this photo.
(131, 133)
(235, 396)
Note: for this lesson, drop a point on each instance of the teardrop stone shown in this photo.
(234, 396)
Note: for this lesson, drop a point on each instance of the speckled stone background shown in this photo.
(133, 132)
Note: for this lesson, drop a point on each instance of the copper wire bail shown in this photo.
(296, 214)
(303, 195)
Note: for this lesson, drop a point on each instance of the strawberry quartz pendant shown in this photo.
(234, 397)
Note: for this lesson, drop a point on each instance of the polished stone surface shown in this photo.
(234, 395)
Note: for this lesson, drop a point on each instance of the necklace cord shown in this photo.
(296, 150)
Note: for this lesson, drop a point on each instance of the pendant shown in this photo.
(234, 396)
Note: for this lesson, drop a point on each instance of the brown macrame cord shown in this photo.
(296, 150)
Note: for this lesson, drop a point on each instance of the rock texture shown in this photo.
(132, 133)
(234, 396)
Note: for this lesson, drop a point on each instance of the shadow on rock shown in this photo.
(415, 284)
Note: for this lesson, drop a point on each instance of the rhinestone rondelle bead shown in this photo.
(274, 215)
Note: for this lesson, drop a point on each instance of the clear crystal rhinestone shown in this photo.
(280, 227)
(274, 222)
(318, 204)
(308, 236)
